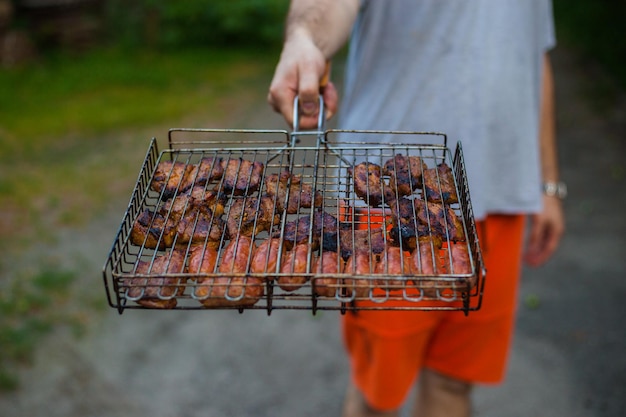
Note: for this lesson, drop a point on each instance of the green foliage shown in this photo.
(180, 24)
(107, 89)
(596, 28)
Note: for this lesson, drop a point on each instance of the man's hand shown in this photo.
(546, 229)
(315, 31)
(300, 71)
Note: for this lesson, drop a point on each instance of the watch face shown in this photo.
(555, 189)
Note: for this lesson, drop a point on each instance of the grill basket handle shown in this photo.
(296, 115)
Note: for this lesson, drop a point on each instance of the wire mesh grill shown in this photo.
(259, 219)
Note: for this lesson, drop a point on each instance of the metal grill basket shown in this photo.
(153, 269)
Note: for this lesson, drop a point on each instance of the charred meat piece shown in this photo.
(393, 262)
(368, 240)
(202, 260)
(427, 261)
(242, 177)
(442, 220)
(457, 259)
(249, 216)
(206, 171)
(294, 262)
(196, 199)
(291, 193)
(152, 230)
(361, 265)
(171, 177)
(210, 290)
(461, 264)
(406, 227)
(157, 290)
(439, 184)
(328, 263)
(368, 184)
(199, 227)
(405, 174)
(325, 228)
(412, 219)
(229, 290)
(298, 231)
(266, 257)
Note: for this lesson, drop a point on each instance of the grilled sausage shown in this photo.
(294, 262)
(328, 263)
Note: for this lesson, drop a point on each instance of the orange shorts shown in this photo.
(388, 348)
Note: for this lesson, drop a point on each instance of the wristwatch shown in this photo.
(555, 189)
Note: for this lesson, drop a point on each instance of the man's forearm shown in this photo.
(326, 22)
(547, 133)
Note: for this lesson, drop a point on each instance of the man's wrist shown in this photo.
(556, 189)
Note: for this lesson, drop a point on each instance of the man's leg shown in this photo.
(355, 405)
(442, 396)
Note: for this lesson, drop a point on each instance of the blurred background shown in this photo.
(84, 85)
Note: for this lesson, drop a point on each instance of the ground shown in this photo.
(568, 356)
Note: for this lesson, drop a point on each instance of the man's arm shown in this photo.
(548, 226)
(315, 31)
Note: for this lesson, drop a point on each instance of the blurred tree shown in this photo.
(167, 24)
(596, 28)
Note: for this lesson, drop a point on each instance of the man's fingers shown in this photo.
(331, 99)
(308, 92)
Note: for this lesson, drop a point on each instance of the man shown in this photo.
(479, 71)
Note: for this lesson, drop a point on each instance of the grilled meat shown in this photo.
(236, 289)
(202, 260)
(298, 231)
(442, 219)
(171, 177)
(361, 265)
(393, 262)
(152, 230)
(406, 227)
(196, 199)
(206, 171)
(369, 240)
(210, 291)
(242, 177)
(412, 219)
(251, 215)
(427, 261)
(300, 194)
(157, 290)
(328, 263)
(325, 228)
(266, 257)
(368, 184)
(439, 184)
(457, 259)
(191, 216)
(294, 262)
(405, 174)
(200, 226)
(461, 262)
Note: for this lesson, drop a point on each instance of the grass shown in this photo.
(69, 145)
(111, 89)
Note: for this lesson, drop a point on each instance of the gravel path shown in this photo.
(568, 357)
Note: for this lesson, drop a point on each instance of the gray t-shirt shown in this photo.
(468, 68)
